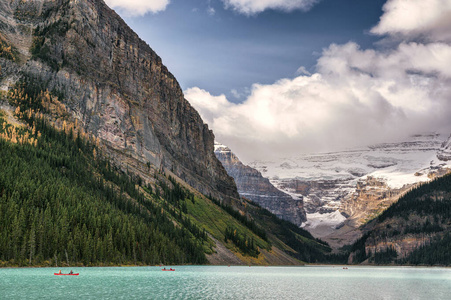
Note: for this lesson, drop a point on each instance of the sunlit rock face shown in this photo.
(252, 185)
(114, 84)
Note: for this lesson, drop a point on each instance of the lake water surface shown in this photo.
(211, 282)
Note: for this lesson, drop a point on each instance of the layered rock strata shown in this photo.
(252, 185)
(115, 84)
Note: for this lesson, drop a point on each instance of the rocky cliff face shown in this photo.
(252, 185)
(445, 151)
(372, 195)
(114, 83)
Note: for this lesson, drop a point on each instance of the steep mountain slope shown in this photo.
(62, 202)
(105, 161)
(252, 185)
(414, 230)
(114, 84)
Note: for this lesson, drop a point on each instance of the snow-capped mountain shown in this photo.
(252, 185)
(356, 184)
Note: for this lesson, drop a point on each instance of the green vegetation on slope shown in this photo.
(423, 214)
(241, 218)
(63, 201)
(435, 253)
(216, 220)
(301, 244)
(243, 242)
(60, 201)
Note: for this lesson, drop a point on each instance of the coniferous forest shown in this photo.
(61, 202)
(423, 214)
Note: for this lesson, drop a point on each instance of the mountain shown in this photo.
(415, 230)
(114, 84)
(343, 190)
(252, 185)
(445, 150)
(64, 202)
(103, 160)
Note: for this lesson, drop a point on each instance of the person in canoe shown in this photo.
(60, 272)
(71, 272)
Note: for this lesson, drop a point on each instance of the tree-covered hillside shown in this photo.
(64, 201)
(414, 230)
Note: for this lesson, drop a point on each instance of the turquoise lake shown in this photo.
(212, 282)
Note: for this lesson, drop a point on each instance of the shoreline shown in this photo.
(254, 266)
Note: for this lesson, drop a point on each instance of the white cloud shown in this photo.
(235, 94)
(211, 11)
(252, 7)
(138, 7)
(302, 71)
(430, 19)
(357, 97)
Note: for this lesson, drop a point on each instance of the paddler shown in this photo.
(59, 272)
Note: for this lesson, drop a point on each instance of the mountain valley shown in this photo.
(341, 191)
(105, 162)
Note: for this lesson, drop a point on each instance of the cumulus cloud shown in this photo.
(356, 98)
(430, 19)
(138, 7)
(252, 7)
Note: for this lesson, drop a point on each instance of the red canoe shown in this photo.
(75, 274)
(168, 269)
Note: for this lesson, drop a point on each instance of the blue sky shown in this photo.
(284, 77)
(227, 50)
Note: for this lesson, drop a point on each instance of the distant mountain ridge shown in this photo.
(342, 190)
(252, 185)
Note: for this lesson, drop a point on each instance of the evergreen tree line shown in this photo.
(176, 195)
(174, 202)
(358, 249)
(435, 253)
(241, 218)
(54, 208)
(243, 242)
(308, 249)
(384, 257)
(429, 199)
(46, 216)
(430, 206)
